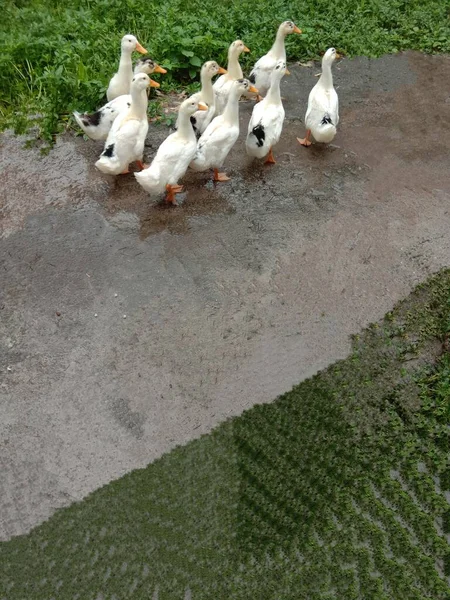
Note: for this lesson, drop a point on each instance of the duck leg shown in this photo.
(220, 176)
(171, 191)
(270, 159)
(126, 170)
(305, 141)
(141, 165)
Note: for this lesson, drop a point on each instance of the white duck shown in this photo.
(223, 85)
(222, 133)
(125, 142)
(120, 82)
(173, 156)
(266, 123)
(97, 125)
(322, 114)
(260, 74)
(201, 119)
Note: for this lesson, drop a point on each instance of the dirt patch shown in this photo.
(129, 327)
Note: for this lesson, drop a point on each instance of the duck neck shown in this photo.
(273, 96)
(184, 127)
(233, 67)
(326, 79)
(139, 101)
(125, 65)
(207, 89)
(278, 49)
(231, 112)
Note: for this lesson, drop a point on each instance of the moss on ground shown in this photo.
(338, 489)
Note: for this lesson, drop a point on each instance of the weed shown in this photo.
(335, 490)
(57, 56)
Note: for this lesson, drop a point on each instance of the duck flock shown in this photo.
(207, 126)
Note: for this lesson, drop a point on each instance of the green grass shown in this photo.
(57, 56)
(337, 490)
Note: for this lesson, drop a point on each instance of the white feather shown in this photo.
(128, 137)
(271, 118)
(323, 102)
(215, 144)
(173, 156)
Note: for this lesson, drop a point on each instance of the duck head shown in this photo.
(190, 106)
(288, 27)
(211, 68)
(142, 81)
(148, 66)
(330, 56)
(130, 43)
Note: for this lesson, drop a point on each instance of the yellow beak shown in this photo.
(338, 55)
(246, 49)
(140, 48)
(222, 71)
(202, 106)
(153, 84)
(297, 30)
(287, 72)
(253, 90)
(159, 69)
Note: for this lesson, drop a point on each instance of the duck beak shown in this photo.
(140, 48)
(287, 72)
(338, 55)
(297, 30)
(246, 49)
(153, 84)
(159, 69)
(222, 71)
(253, 90)
(202, 106)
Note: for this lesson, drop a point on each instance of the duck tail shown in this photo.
(199, 162)
(255, 142)
(150, 179)
(89, 123)
(109, 162)
(326, 130)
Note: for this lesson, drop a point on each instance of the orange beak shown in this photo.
(222, 71)
(297, 30)
(153, 84)
(159, 69)
(287, 72)
(253, 90)
(246, 49)
(202, 106)
(140, 48)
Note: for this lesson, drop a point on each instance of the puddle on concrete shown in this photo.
(258, 284)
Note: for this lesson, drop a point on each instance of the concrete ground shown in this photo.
(128, 327)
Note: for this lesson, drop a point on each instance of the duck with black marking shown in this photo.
(261, 72)
(125, 142)
(266, 123)
(322, 114)
(97, 125)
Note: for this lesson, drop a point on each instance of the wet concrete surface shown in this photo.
(128, 327)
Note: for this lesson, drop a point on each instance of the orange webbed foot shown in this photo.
(220, 176)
